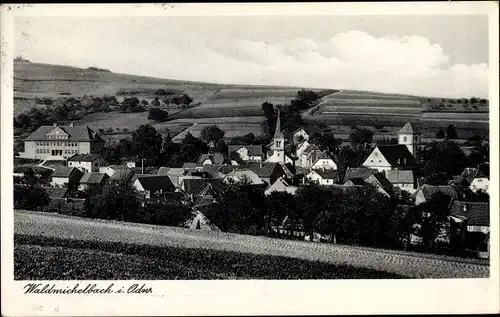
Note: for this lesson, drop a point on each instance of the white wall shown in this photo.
(59, 181)
(480, 183)
(326, 164)
(377, 161)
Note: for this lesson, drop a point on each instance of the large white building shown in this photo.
(61, 142)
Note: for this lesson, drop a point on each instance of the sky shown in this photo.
(444, 56)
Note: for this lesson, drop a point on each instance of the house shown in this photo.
(473, 218)
(51, 142)
(280, 185)
(326, 177)
(152, 185)
(214, 171)
(425, 192)
(300, 135)
(323, 160)
(403, 179)
(268, 172)
(378, 180)
(247, 152)
(118, 172)
(174, 173)
(389, 157)
(240, 175)
(277, 153)
(210, 159)
(92, 179)
(86, 162)
(57, 193)
(202, 190)
(358, 172)
(307, 156)
(64, 176)
(475, 178)
(381, 183)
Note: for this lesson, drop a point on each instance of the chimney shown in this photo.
(55, 124)
(72, 124)
(465, 207)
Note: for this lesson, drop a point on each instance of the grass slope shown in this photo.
(37, 258)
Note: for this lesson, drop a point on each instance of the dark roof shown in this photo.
(122, 173)
(215, 158)
(84, 157)
(227, 169)
(154, 182)
(63, 171)
(264, 169)
(358, 172)
(477, 213)
(383, 181)
(190, 165)
(429, 191)
(213, 170)
(196, 185)
(56, 192)
(397, 155)
(327, 173)
(76, 133)
(93, 178)
(356, 181)
(253, 150)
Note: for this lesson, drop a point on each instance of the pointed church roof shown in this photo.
(407, 129)
(277, 133)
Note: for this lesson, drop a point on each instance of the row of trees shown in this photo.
(360, 216)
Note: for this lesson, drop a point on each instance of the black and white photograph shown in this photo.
(248, 147)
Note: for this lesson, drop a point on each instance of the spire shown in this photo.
(277, 132)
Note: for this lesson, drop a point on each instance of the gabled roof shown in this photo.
(194, 186)
(253, 150)
(75, 133)
(430, 190)
(63, 171)
(397, 155)
(154, 182)
(93, 178)
(122, 173)
(476, 213)
(355, 181)
(215, 158)
(358, 172)
(327, 173)
(311, 147)
(227, 169)
(190, 166)
(400, 176)
(240, 174)
(171, 171)
(407, 129)
(262, 169)
(84, 157)
(383, 181)
(213, 170)
(320, 156)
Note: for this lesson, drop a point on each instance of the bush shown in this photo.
(158, 115)
(93, 68)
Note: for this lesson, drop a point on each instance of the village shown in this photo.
(67, 172)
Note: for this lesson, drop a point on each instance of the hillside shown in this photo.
(214, 103)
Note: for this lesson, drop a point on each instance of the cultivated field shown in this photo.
(411, 265)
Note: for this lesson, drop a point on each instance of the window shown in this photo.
(371, 161)
(380, 161)
(474, 187)
(404, 139)
(480, 180)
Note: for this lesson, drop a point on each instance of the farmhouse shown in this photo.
(475, 178)
(92, 179)
(280, 185)
(152, 185)
(86, 162)
(358, 172)
(202, 190)
(247, 152)
(244, 175)
(174, 173)
(65, 176)
(61, 142)
(378, 180)
(268, 172)
(326, 177)
(322, 160)
(118, 172)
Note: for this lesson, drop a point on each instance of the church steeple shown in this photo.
(277, 132)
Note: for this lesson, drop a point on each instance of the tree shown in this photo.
(155, 102)
(212, 133)
(30, 197)
(443, 157)
(221, 147)
(112, 201)
(431, 218)
(268, 109)
(278, 206)
(361, 138)
(451, 133)
(168, 213)
(144, 102)
(129, 104)
(327, 141)
(146, 143)
(440, 134)
(158, 115)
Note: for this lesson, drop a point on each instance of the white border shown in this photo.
(254, 297)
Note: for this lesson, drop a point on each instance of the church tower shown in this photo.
(411, 138)
(278, 142)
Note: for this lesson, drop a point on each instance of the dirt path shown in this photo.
(404, 263)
